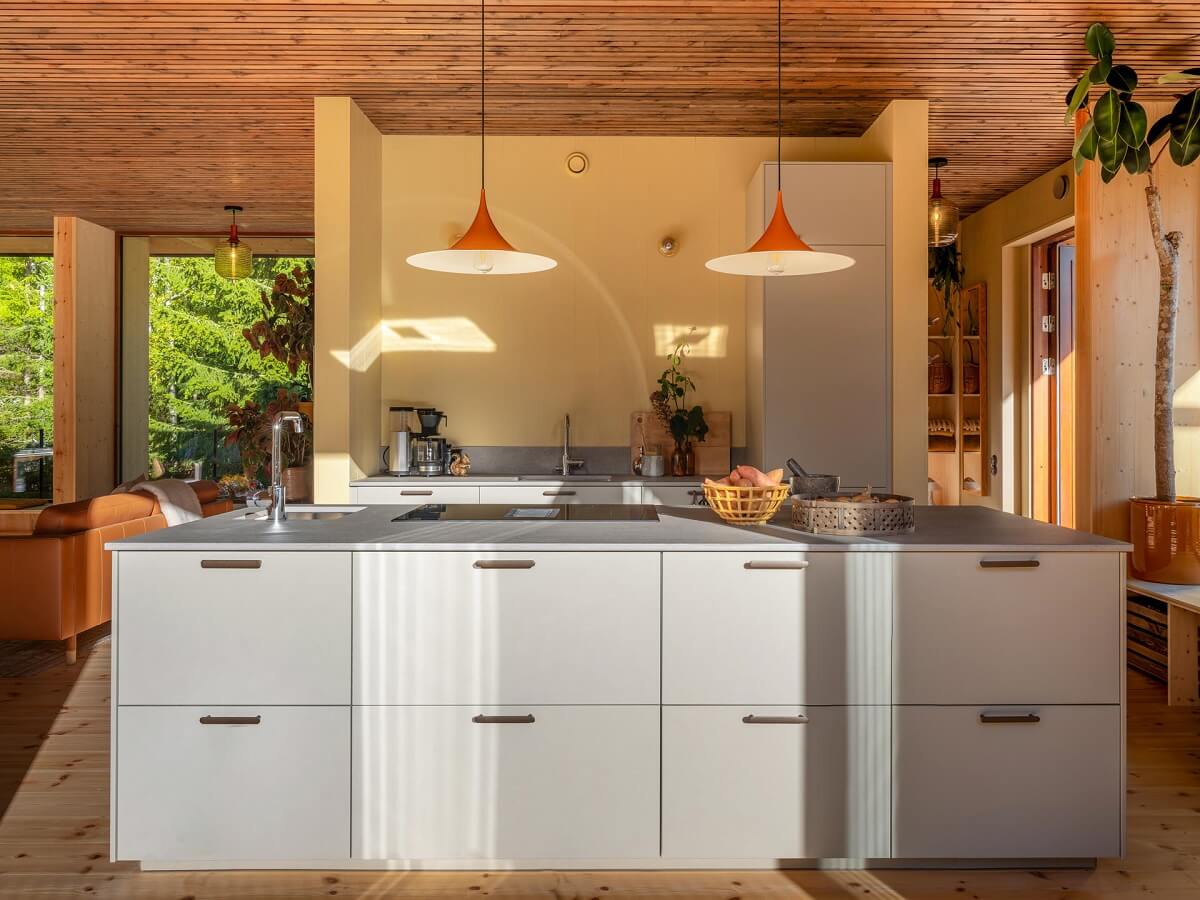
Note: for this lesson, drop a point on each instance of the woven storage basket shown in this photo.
(845, 517)
(940, 375)
(745, 505)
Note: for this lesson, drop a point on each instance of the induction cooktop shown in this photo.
(503, 512)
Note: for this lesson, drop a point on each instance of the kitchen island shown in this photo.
(364, 692)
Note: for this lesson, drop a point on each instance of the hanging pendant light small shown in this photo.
(232, 258)
(482, 250)
(779, 251)
(943, 215)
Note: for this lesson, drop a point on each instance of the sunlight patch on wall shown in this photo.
(362, 355)
(453, 334)
(705, 341)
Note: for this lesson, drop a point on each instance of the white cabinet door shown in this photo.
(833, 203)
(557, 783)
(672, 494)
(540, 494)
(777, 628)
(792, 783)
(1007, 789)
(491, 627)
(417, 493)
(275, 790)
(977, 628)
(826, 371)
(233, 627)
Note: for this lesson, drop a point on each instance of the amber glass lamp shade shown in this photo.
(482, 251)
(943, 218)
(232, 260)
(779, 251)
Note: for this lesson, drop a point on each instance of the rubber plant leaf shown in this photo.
(1159, 128)
(1107, 116)
(1085, 142)
(1099, 41)
(1122, 78)
(1137, 160)
(1186, 151)
(1133, 124)
(1185, 115)
(1100, 71)
(1112, 153)
(1176, 77)
(1077, 98)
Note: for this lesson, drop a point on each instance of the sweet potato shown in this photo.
(776, 476)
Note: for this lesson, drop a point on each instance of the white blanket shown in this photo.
(176, 499)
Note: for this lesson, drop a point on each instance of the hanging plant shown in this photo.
(946, 275)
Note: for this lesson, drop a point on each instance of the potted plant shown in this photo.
(1116, 133)
(245, 421)
(670, 404)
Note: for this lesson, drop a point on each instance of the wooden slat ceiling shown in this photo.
(150, 115)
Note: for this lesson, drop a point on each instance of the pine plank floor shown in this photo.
(54, 827)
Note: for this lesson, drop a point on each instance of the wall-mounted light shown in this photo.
(232, 259)
(668, 246)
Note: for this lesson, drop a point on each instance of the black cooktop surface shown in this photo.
(506, 512)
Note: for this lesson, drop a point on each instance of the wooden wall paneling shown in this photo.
(174, 108)
(85, 356)
(134, 366)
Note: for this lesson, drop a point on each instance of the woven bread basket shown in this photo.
(745, 505)
(844, 516)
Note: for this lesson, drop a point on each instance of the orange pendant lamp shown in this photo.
(779, 251)
(483, 249)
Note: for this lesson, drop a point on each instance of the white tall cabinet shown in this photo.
(818, 354)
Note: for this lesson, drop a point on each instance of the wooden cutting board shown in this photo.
(712, 454)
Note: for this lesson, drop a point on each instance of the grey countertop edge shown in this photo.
(385, 480)
(939, 529)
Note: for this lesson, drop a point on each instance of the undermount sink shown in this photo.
(554, 476)
(301, 513)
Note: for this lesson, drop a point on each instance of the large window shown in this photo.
(26, 376)
(202, 362)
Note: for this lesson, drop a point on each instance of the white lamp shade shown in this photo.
(482, 251)
(779, 251)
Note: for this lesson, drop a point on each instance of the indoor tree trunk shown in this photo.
(1167, 245)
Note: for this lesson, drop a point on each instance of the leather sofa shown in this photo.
(57, 582)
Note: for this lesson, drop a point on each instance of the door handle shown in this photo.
(775, 720)
(1009, 563)
(1009, 719)
(503, 564)
(503, 720)
(416, 493)
(778, 566)
(230, 720)
(558, 493)
(231, 563)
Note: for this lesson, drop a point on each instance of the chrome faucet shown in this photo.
(278, 491)
(567, 462)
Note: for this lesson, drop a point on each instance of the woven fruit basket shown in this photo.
(854, 517)
(745, 505)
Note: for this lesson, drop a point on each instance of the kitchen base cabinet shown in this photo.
(990, 782)
(535, 782)
(230, 783)
(775, 782)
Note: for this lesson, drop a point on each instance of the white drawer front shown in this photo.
(539, 494)
(491, 627)
(417, 493)
(276, 790)
(195, 628)
(776, 628)
(671, 494)
(733, 789)
(993, 633)
(1007, 790)
(575, 783)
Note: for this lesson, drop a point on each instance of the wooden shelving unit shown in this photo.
(957, 442)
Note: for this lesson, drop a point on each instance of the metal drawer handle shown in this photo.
(503, 720)
(558, 493)
(416, 493)
(997, 719)
(230, 720)
(1008, 564)
(775, 720)
(766, 564)
(695, 493)
(231, 563)
(503, 564)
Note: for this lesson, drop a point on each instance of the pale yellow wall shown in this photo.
(346, 386)
(506, 357)
(988, 256)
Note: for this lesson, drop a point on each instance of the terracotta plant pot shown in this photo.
(297, 480)
(1166, 540)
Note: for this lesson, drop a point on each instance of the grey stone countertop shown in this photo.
(371, 528)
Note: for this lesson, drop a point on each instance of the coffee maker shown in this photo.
(430, 451)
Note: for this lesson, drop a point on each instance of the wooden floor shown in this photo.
(54, 830)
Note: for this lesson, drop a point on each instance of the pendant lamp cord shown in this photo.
(482, 91)
(779, 95)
